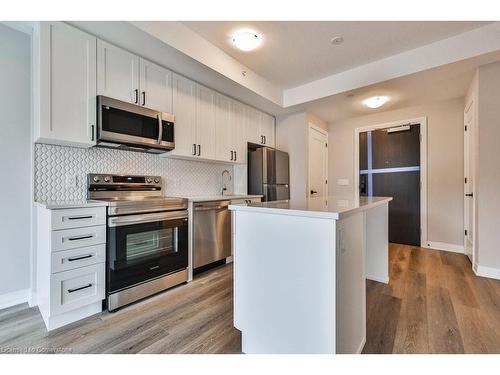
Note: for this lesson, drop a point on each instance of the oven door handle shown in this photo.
(118, 221)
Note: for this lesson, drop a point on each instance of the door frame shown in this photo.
(422, 121)
(325, 133)
(470, 137)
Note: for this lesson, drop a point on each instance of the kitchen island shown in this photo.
(300, 270)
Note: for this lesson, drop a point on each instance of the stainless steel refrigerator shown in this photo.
(268, 174)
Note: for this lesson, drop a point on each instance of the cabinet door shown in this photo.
(205, 122)
(239, 140)
(252, 126)
(155, 87)
(223, 129)
(67, 71)
(267, 129)
(117, 73)
(184, 110)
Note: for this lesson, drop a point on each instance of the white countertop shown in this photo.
(59, 205)
(330, 207)
(208, 198)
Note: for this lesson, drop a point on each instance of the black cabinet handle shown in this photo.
(199, 150)
(92, 132)
(313, 192)
(235, 158)
(80, 238)
(264, 139)
(194, 149)
(80, 288)
(136, 92)
(80, 258)
(80, 217)
(232, 152)
(469, 195)
(144, 98)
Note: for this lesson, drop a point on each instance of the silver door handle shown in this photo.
(160, 127)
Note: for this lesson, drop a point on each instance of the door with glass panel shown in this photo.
(389, 166)
(140, 252)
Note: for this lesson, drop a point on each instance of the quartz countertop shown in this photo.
(59, 205)
(208, 198)
(330, 207)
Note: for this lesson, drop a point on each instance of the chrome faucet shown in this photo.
(223, 185)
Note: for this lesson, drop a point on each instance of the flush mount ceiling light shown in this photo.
(376, 101)
(246, 40)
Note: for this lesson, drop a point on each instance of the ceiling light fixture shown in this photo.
(375, 101)
(246, 40)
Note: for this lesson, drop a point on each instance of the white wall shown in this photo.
(444, 155)
(488, 176)
(15, 162)
(291, 136)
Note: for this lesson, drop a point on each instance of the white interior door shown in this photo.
(318, 162)
(469, 179)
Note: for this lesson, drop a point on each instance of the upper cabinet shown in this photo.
(64, 85)
(155, 86)
(72, 67)
(117, 73)
(124, 76)
(259, 127)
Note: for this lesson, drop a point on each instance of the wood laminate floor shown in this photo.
(191, 318)
(433, 304)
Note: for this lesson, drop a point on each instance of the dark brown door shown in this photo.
(389, 164)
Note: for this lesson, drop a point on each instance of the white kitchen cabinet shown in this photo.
(64, 81)
(267, 129)
(184, 110)
(238, 138)
(155, 86)
(252, 125)
(117, 73)
(223, 128)
(205, 122)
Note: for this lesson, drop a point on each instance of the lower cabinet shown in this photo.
(71, 264)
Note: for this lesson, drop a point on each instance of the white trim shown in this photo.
(362, 345)
(325, 133)
(423, 164)
(492, 273)
(14, 298)
(445, 247)
(378, 279)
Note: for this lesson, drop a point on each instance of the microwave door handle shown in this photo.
(160, 129)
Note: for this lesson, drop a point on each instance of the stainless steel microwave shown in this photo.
(129, 126)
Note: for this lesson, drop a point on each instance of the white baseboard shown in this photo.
(384, 280)
(492, 273)
(14, 298)
(445, 247)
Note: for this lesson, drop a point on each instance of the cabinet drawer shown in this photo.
(78, 237)
(78, 217)
(73, 289)
(75, 258)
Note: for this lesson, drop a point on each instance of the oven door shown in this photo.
(128, 124)
(146, 246)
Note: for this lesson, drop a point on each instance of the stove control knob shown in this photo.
(157, 180)
(96, 179)
(107, 179)
(149, 180)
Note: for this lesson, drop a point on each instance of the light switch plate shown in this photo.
(343, 181)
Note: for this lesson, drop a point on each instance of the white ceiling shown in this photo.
(294, 53)
(433, 85)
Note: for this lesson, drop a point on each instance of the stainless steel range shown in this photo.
(147, 236)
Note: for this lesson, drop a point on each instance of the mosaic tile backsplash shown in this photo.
(180, 177)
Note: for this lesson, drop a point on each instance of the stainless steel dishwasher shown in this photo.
(212, 232)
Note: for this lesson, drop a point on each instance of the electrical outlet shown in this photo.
(71, 181)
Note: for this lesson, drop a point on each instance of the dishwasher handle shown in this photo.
(210, 208)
